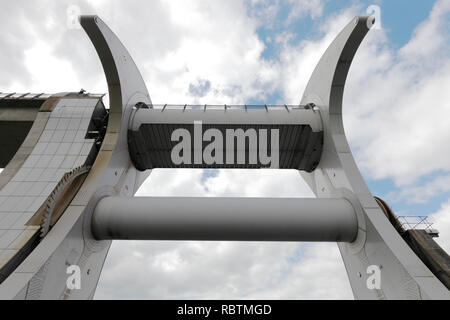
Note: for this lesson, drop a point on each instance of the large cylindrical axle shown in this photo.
(227, 219)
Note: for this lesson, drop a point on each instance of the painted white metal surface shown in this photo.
(61, 147)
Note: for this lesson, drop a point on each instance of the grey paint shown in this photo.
(231, 219)
(403, 274)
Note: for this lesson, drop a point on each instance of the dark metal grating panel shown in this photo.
(151, 146)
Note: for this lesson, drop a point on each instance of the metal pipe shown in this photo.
(224, 219)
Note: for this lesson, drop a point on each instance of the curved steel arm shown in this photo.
(328, 79)
(326, 86)
(123, 77)
(126, 86)
(403, 274)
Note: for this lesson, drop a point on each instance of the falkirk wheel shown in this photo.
(72, 168)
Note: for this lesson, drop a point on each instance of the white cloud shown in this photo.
(166, 182)
(184, 42)
(258, 183)
(301, 8)
(236, 182)
(396, 114)
(198, 40)
(218, 270)
(441, 220)
(41, 54)
(263, 12)
(423, 193)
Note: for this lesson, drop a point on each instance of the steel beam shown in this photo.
(227, 219)
(296, 115)
(297, 143)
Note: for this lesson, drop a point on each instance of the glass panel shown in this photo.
(297, 107)
(3, 95)
(195, 107)
(276, 107)
(96, 95)
(273, 107)
(174, 107)
(17, 95)
(31, 95)
(236, 107)
(250, 107)
(215, 107)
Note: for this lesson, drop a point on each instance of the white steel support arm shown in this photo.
(227, 219)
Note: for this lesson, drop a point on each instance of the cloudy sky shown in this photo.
(396, 114)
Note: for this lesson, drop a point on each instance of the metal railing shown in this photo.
(224, 107)
(14, 95)
(417, 223)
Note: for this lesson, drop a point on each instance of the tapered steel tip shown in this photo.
(370, 22)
